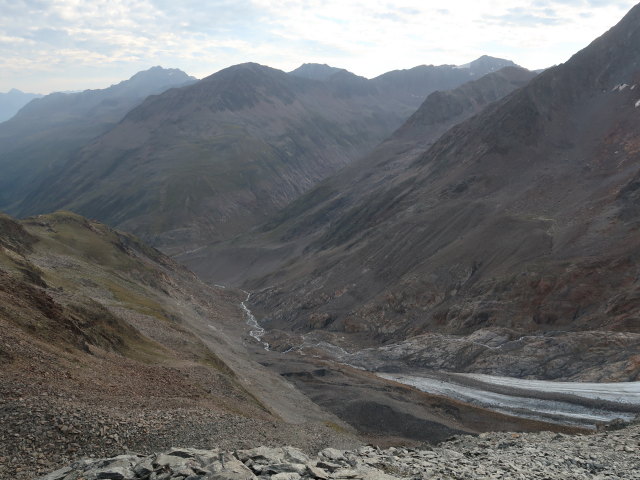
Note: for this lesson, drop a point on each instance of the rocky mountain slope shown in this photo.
(209, 161)
(46, 132)
(108, 345)
(12, 101)
(289, 232)
(520, 222)
(506, 456)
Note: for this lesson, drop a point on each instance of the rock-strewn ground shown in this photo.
(546, 455)
(108, 346)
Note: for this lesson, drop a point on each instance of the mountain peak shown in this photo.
(316, 71)
(12, 101)
(487, 64)
(157, 75)
(252, 68)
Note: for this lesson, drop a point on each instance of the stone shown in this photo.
(58, 474)
(172, 461)
(285, 467)
(317, 472)
(331, 467)
(181, 452)
(286, 476)
(233, 469)
(602, 455)
(143, 468)
(262, 455)
(332, 454)
(294, 455)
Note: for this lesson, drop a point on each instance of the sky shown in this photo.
(60, 45)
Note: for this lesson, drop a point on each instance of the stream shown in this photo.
(256, 330)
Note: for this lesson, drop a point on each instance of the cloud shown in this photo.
(528, 17)
(45, 44)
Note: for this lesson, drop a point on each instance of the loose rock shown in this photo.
(546, 455)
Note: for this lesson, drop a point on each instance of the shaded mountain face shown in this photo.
(291, 231)
(12, 101)
(47, 131)
(209, 161)
(522, 218)
(266, 138)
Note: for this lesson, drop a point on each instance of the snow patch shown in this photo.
(620, 87)
(638, 104)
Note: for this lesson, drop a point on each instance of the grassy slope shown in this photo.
(80, 286)
(93, 319)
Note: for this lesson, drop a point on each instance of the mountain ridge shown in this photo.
(296, 131)
(12, 101)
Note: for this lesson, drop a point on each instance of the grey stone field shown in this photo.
(604, 455)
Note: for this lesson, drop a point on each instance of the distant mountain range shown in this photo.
(213, 159)
(45, 133)
(12, 101)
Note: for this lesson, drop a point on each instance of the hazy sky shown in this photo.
(48, 45)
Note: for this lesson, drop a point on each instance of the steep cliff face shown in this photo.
(523, 217)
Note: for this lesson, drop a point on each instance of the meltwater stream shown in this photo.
(256, 331)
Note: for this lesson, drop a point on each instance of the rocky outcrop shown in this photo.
(568, 356)
(495, 455)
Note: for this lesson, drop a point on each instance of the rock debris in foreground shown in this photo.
(606, 455)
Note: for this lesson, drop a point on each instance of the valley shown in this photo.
(309, 274)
